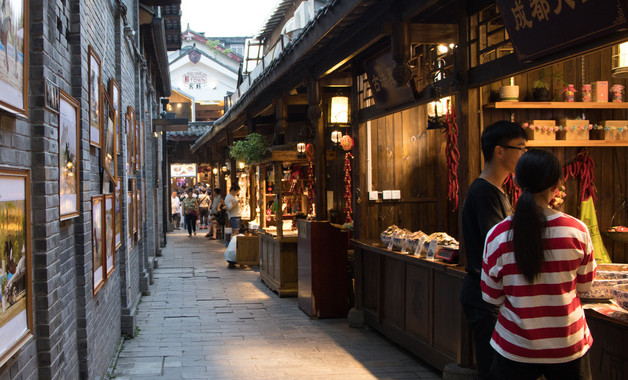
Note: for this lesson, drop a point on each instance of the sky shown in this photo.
(226, 18)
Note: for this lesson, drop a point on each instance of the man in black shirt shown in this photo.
(485, 205)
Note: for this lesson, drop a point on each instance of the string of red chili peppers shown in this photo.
(513, 191)
(582, 169)
(453, 155)
(348, 208)
(310, 176)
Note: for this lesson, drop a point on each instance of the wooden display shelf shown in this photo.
(557, 105)
(575, 143)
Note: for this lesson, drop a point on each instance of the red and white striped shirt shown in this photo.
(542, 322)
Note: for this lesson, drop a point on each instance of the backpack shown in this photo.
(189, 206)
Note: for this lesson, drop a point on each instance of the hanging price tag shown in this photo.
(392, 239)
(404, 246)
(431, 251)
(419, 247)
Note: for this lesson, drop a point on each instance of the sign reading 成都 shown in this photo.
(540, 27)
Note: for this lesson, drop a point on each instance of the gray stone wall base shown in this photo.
(128, 321)
(356, 318)
(144, 283)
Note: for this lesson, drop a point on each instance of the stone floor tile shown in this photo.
(204, 321)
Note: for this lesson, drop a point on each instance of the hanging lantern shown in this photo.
(241, 165)
(346, 142)
(620, 60)
(339, 112)
(301, 150)
(224, 168)
(215, 171)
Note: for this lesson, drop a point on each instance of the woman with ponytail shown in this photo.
(535, 263)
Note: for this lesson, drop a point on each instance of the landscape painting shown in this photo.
(68, 156)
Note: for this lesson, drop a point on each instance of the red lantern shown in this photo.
(346, 142)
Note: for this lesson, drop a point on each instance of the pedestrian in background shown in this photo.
(190, 209)
(486, 204)
(232, 202)
(216, 205)
(175, 203)
(535, 264)
(204, 202)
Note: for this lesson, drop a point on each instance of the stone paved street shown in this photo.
(204, 321)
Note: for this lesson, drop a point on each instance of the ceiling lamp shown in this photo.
(339, 110)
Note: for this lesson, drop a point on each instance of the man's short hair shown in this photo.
(500, 133)
(234, 187)
(217, 191)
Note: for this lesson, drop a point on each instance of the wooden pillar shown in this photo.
(281, 114)
(320, 159)
(262, 191)
(468, 145)
(232, 161)
(252, 191)
(251, 126)
(221, 175)
(279, 198)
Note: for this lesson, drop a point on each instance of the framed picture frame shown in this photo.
(134, 204)
(98, 234)
(94, 92)
(14, 58)
(16, 307)
(129, 219)
(127, 126)
(51, 96)
(69, 143)
(110, 234)
(118, 212)
(115, 95)
(138, 144)
(138, 213)
(109, 157)
(130, 135)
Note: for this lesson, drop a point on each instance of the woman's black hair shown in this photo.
(536, 170)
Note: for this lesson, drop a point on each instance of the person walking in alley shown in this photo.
(204, 202)
(175, 210)
(535, 264)
(486, 204)
(190, 209)
(214, 210)
(232, 202)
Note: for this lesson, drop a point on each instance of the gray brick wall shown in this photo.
(75, 331)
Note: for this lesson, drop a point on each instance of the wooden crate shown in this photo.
(541, 130)
(573, 130)
(610, 130)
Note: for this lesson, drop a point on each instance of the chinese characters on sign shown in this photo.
(540, 27)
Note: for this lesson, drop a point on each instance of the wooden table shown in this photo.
(414, 302)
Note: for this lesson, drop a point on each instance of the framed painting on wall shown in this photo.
(109, 157)
(134, 205)
(97, 242)
(51, 96)
(69, 142)
(94, 97)
(14, 57)
(110, 232)
(129, 219)
(114, 94)
(138, 143)
(138, 214)
(130, 135)
(118, 212)
(127, 125)
(16, 308)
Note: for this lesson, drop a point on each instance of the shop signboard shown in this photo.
(386, 92)
(182, 170)
(541, 27)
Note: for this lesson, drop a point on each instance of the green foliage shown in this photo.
(226, 51)
(251, 150)
(539, 84)
(213, 43)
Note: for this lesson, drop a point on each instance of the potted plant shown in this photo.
(540, 92)
(251, 150)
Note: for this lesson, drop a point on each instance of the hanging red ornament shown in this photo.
(346, 142)
(452, 154)
(348, 211)
(309, 153)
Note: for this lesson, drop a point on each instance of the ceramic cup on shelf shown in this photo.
(509, 93)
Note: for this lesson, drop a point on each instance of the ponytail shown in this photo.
(536, 171)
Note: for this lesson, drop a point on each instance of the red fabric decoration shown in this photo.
(346, 142)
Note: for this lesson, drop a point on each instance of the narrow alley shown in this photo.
(204, 321)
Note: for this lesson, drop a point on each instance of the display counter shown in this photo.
(278, 257)
(413, 301)
(609, 327)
